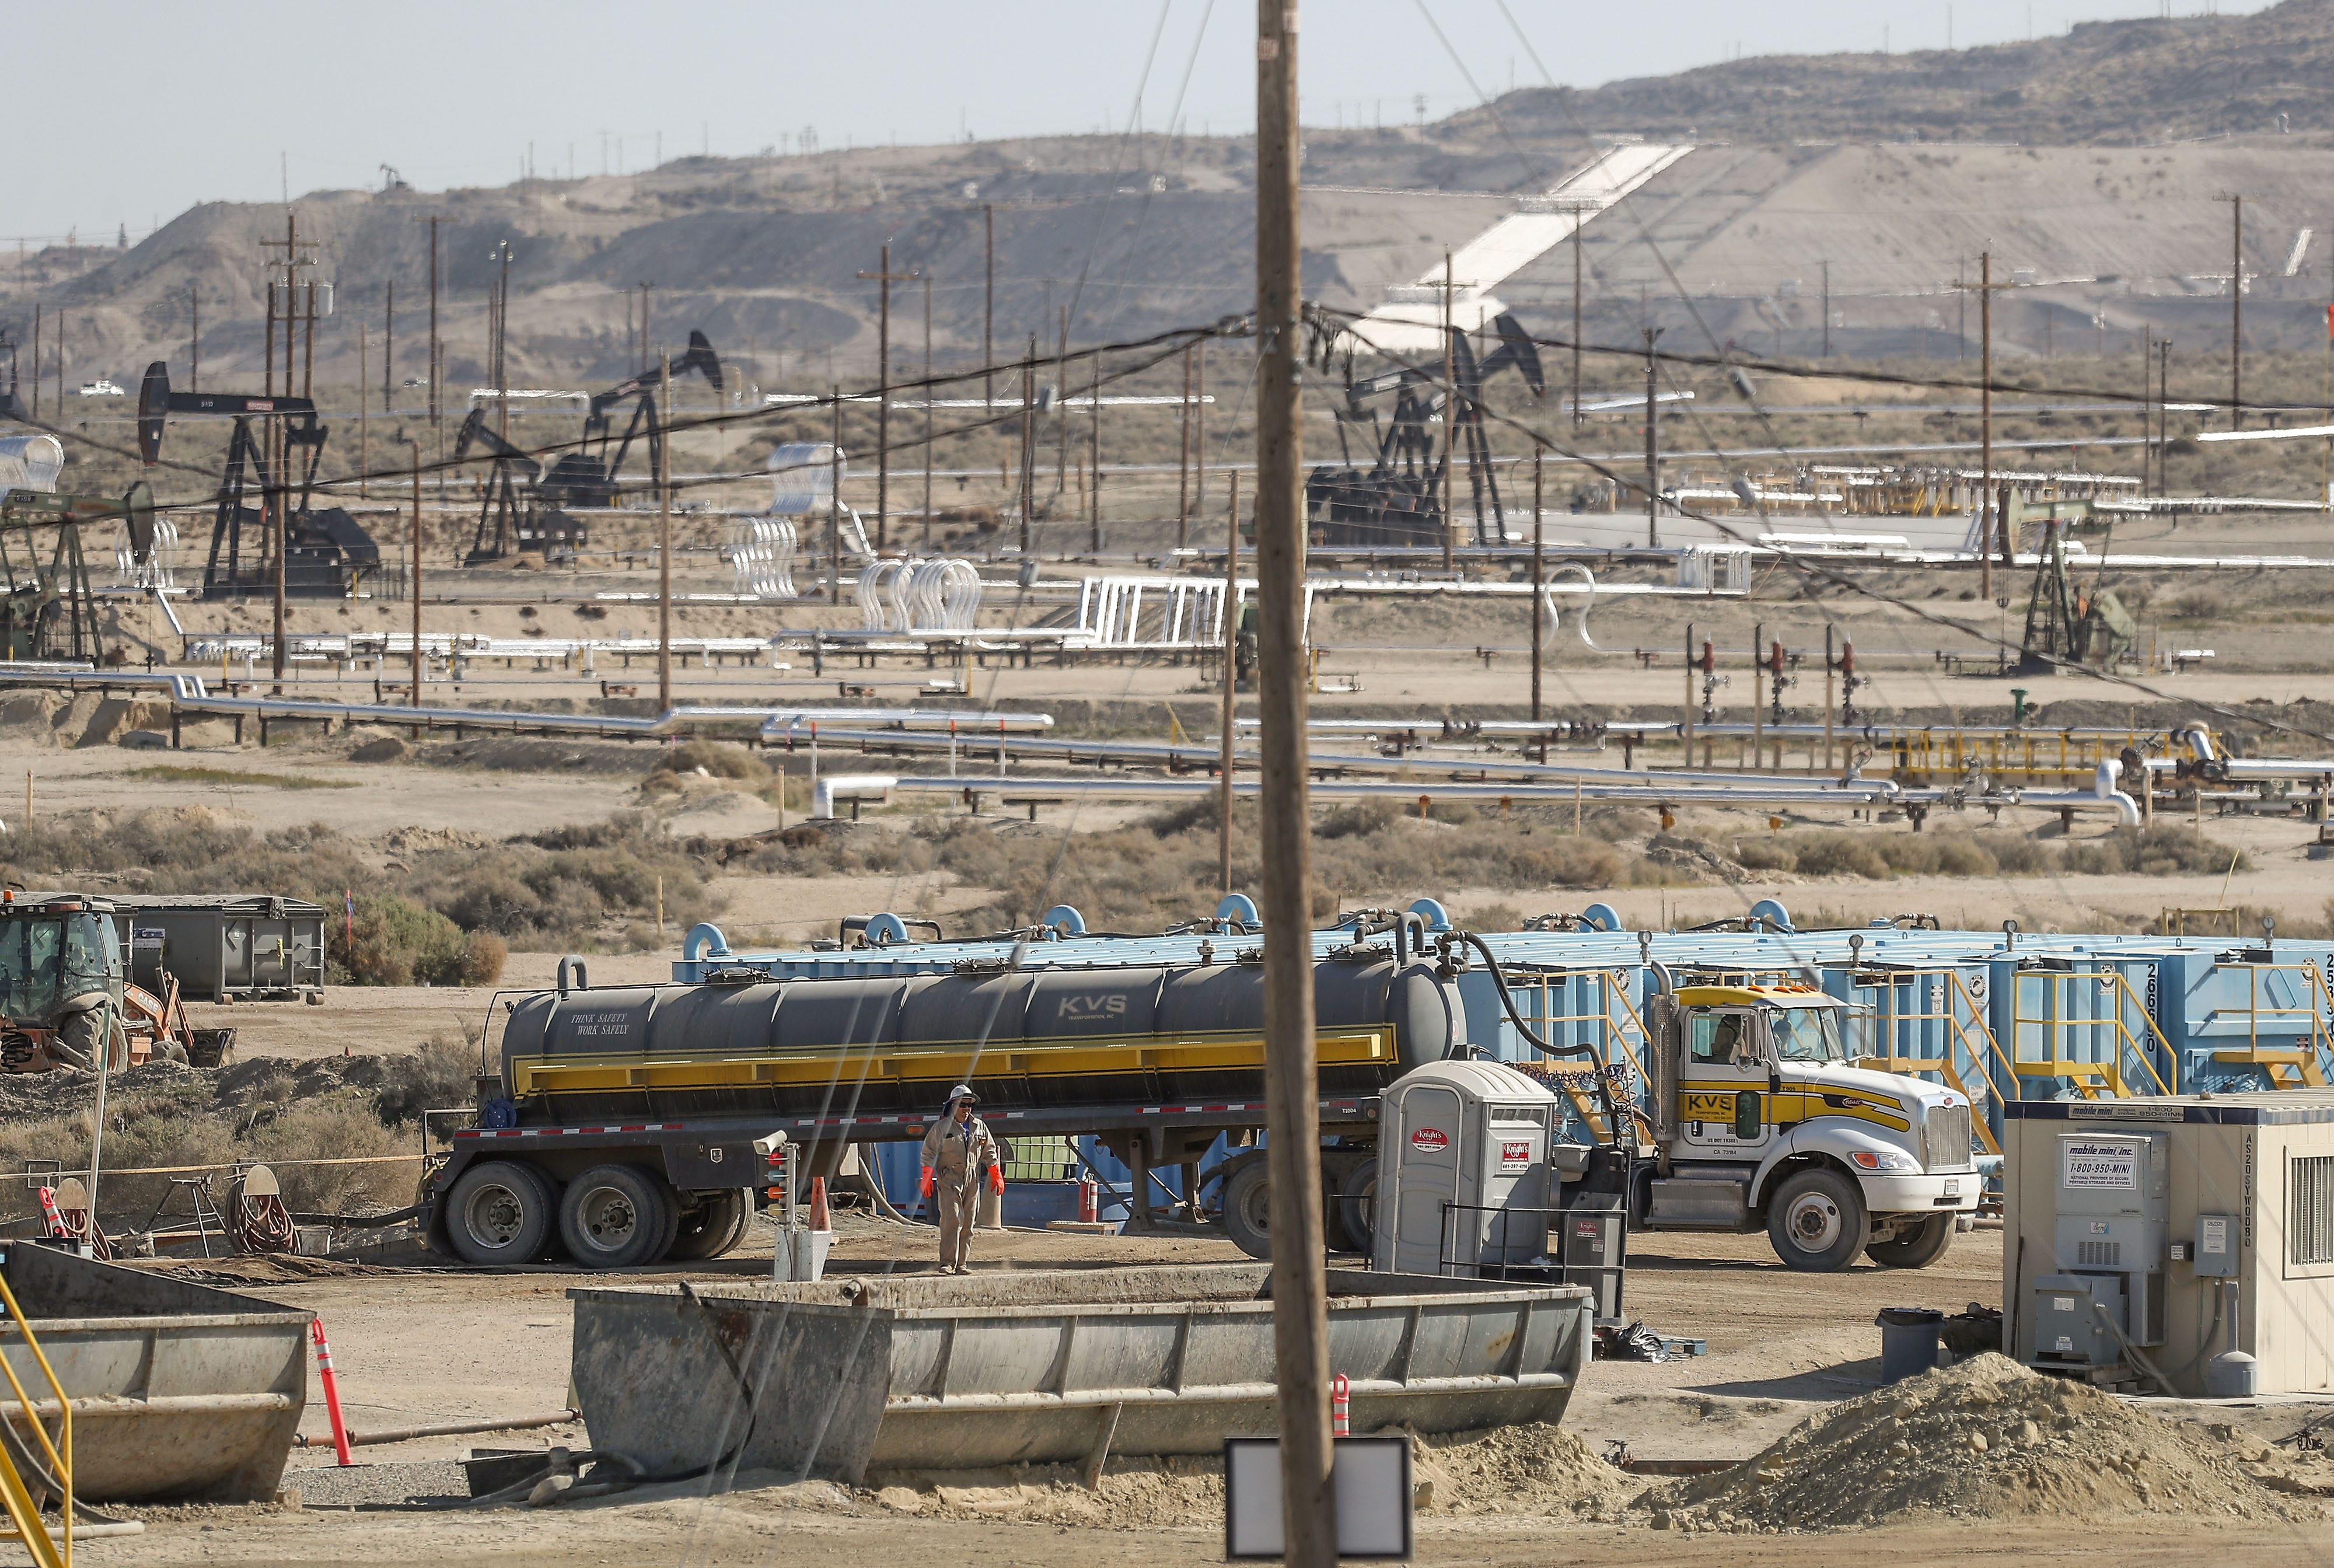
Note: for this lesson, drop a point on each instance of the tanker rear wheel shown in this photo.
(499, 1213)
(1247, 1206)
(617, 1216)
(717, 1224)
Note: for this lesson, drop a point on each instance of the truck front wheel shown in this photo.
(1916, 1244)
(1816, 1220)
(499, 1213)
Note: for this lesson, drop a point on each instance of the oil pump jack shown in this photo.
(525, 508)
(1397, 501)
(2064, 625)
(326, 552)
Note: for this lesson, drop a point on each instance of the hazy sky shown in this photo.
(133, 112)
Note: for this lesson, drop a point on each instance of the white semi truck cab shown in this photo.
(1760, 1119)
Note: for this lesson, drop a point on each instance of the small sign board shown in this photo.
(1369, 1476)
(2100, 1165)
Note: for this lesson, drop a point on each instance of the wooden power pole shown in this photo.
(415, 666)
(664, 537)
(1292, 1086)
(884, 277)
(2236, 309)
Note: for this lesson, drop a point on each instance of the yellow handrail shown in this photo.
(2084, 1073)
(24, 1512)
(1978, 1047)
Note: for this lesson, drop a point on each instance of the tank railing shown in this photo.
(23, 1511)
(2056, 1025)
(1958, 1014)
(1611, 1020)
(2302, 1052)
(2054, 755)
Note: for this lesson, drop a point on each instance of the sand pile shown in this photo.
(1984, 1440)
(1527, 1470)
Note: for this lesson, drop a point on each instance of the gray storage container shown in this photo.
(248, 946)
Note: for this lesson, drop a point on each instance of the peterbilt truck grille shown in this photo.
(1945, 1137)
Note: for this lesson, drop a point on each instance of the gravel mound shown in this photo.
(378, 1486)
(1984, 1440)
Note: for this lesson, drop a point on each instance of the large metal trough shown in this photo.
(179, 1392)
(929, 1373)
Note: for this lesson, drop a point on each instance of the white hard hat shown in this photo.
(964, 1092)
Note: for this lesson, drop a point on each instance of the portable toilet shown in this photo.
(1463, 1186)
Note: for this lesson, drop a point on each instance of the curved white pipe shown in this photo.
(2200, 740)
(2103, 792)
(850, 786)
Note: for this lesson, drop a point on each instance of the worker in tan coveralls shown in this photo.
(958, 1155)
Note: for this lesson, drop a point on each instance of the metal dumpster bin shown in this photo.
(838, 1378)
(179, 1391)
(248, 946)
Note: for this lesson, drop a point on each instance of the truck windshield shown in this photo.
(1807, 1034)
(28, 969)
(92, 957)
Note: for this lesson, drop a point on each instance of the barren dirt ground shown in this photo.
(446, 1344)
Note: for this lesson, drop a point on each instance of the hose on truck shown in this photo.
(1615, 1110)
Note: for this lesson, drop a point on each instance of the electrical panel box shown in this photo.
(2112, 1220)
(2214, 1253)
(2068, 1320)
(1463, 1184)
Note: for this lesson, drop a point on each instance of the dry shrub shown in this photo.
(182, 1128)
(442, 1074)
(1840, 854)
(1766, 855)
(2156, 851)
(2196, 604)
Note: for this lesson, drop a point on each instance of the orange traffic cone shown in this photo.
(819, 1218)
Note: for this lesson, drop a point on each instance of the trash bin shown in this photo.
(1908, 1341)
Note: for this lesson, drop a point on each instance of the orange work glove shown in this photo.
(996, 1179)
(925, 1187)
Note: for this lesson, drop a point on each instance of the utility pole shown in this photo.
(1292, 1086)
(1652, 448)
(1199, 430)
(835, 496)
(987, 308)
(1183, 459)
(280, 479)
(36, 362)
(1826, 310)
(1539, 581)
(195, 351)
(2147, 407)
(1029, 441)
(884, 277)
(416, 666)
(664, 537)
(433, 220)
(365, 414)
(1450, 415)
(1985, 424)
(387, 348)
(2163, 417)
(1061, 405)
(1580, 221)
(502, 344)
(929, 395)
(2236, 309)
(645, 286)
(1094, 456)
(1230, 618)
